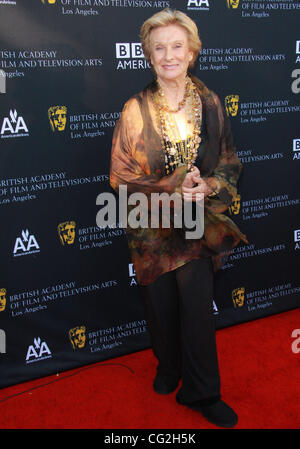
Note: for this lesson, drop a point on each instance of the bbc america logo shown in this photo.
(296, 149)
(296, 144)
(130, 56)
(129, 50)
(297, 238)
(297, 235)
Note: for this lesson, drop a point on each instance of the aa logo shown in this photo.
(13, 126)
(232, 105)
(57, 117)
(26, 244)
(238, 297)
(2, 299)
(66, 232)
(234, 208)
(232, 4)
(198, 5)
(77, 337)
(38, 351)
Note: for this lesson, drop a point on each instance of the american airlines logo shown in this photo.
(26, 244)
(198, 5)
(38, 351)
(13, 125)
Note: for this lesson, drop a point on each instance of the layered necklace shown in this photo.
(178, 151)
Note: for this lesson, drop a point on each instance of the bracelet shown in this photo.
(216, 190)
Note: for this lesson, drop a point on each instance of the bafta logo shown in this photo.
(2, 299)
(238, 297)
(66, 232)
(232, 105)
(234, 208)
(232, 4)
(51, 2)
(57, 117)
(77, 337)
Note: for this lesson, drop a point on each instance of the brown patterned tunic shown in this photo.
(137, 161)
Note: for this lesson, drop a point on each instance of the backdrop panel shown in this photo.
(68, 292)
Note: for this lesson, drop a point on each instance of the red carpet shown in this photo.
(260, 380)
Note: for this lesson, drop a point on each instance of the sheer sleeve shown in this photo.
(229, 166)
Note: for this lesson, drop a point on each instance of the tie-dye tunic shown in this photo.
(138, 161)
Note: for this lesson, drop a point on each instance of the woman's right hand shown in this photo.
(188, 180)
(194, 188)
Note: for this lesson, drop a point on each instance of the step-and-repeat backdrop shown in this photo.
(68, 292)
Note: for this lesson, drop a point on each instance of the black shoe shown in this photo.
(164, 385)
(217, 413)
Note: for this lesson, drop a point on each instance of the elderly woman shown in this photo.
(174, 137)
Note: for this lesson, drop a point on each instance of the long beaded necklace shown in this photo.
(178, 151)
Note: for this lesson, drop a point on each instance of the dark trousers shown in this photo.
(179, 313)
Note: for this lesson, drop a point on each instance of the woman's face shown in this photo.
(170, 53)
